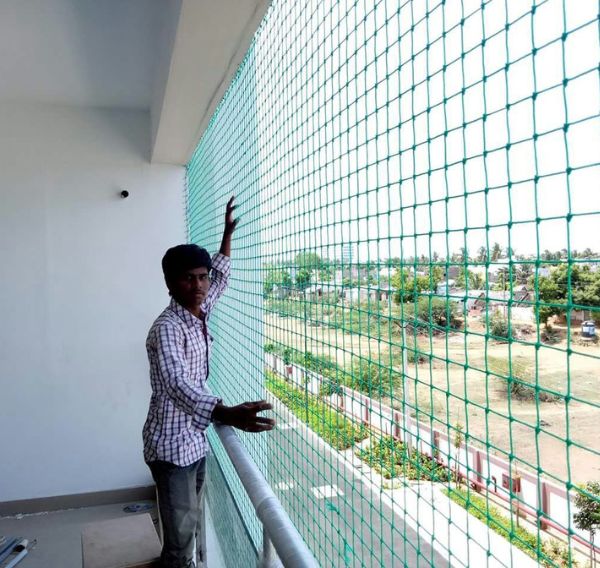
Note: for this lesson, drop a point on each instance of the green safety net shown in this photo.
(416, 277)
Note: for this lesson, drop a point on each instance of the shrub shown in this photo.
(391, 459)
(287, 355)
(481, 509)
(331, 425)
(373, 378)
(498, 326)
(550, 335)
(415, 353)
(329, 387)
(559, 553)
(587, 518)
(430, 312)
(519, 380)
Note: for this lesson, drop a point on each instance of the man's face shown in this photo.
(191, 287)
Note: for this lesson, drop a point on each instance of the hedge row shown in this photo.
(331, 425)
(391, 458)
(549, 554)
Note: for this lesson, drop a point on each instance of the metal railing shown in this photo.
(282, 543)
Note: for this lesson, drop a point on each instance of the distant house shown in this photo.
(476, 302)
(498, 298)
(387, 272)
(459, 296)
(452, 272)
(543, 271)
(282, 292)
(498, 301)
(444, 288)
(364, 293)
(317, 289)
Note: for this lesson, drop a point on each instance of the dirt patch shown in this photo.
(452, 383)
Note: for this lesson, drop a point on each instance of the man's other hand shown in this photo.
(245, 416)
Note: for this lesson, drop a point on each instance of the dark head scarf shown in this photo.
(181, 258)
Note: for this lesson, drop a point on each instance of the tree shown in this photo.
(587, 291)
(475, 280)
(553, 290)
(587, 517)
(496, 252)
(498, 326)
(524, 272)
(461, 278)
(276, 277)
(408, 287)
(588, 253)
(549, 292)
(435, 274)
(461, 257)
(482, 254)
(458, 440)
(504, 276)
(308, 261)
(434, 313)
(550, 256)
(303, 278)
(325, 274)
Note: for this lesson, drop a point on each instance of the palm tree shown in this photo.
(588, 253)
(482, 254)
(496, 252)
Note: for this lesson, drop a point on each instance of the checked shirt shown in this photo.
(179, 348)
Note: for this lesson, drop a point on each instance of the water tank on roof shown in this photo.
(588, 329)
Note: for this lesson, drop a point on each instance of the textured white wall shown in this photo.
(80, 285)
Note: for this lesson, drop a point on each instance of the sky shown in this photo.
(367, 137)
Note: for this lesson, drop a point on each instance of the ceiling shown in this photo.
(97, 53)
(174, 58)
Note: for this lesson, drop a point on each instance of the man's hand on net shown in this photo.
(245, 416)
(230, 222)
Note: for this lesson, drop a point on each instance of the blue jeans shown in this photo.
(180, 506)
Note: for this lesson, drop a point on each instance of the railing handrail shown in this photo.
(291, 548)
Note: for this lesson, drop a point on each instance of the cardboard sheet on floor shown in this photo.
(126, 542)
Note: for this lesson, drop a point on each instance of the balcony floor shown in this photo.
(58, 534)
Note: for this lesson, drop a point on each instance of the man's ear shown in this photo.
(168, 286)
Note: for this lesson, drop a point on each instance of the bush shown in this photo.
(558, 552)
(269, 348)
(481, 509)
(550, 335)
(415, 355)
(331, 425)
(430, 312)
(373, 378)
(587, 517)
(519, 380)
(330, 387)
(317, 363)
(498, 326)
(392, 459)
(365, 375)
(287, 356)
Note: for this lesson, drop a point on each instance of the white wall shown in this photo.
(80, 285)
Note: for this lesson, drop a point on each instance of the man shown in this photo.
(181, 409)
